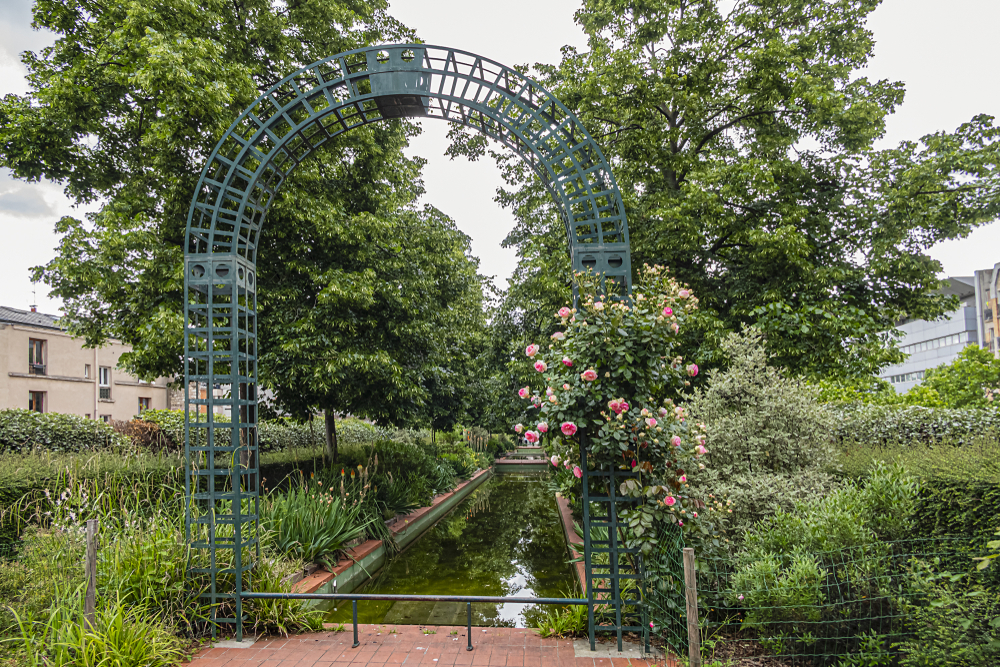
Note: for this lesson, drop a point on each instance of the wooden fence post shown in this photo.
(90, 602)
(691, 593)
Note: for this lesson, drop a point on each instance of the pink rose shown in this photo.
(531, 350)
(692, 370)
(680, 523)
(568, 428)
(668, 311)
(598, 306)
(559, 335)
(564, 312)
(549, 391)
(566, 465)
(676, 441)
(676, 327)
(524, 392)
(684, 293)
(540, 366)
(651, 422)
(683, 478)
(589, 375)
(701, 449)
(566, 362)
(662, 412)
(531, 437)
(615, 406)
(669, 501)
(577, 472)
(694, 514)
(624, 406)
(543, 427)
(519, 428)
(555, 460)
(553, 399)
(565, 387)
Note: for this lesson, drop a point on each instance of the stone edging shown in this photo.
(367, 558)
(566, 517)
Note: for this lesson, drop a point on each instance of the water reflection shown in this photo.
(505, 539)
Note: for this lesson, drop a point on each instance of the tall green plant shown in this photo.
(311, 522)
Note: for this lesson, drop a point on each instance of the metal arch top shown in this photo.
(350, 89)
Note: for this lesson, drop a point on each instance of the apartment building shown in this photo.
(929, 344)
(43, 368)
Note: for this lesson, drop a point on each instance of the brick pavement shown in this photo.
(393, 645)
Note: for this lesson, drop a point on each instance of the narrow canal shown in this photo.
(505, 539)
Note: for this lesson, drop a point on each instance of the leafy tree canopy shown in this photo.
(364, 298)
(743, 142)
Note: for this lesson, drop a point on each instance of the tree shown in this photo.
(362, 296)
(743, 145)
(971, 381)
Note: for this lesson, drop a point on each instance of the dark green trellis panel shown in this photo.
(238, 185)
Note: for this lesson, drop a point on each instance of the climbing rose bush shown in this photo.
(612, 374)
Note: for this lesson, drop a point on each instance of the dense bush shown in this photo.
(877, 425)
(24, 430)
(769, 439)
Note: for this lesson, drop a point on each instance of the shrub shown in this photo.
(25, 430)
(311, 523)
(881, 425)
(778, 593)
(953, 621)
(769, 438)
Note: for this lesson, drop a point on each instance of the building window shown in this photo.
(36, 356)
(104, 381)
(144, 404)
(88, 415)
(106, 419)
(86, 371)
(36, 401)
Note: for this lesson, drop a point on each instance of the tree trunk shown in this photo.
(331, 435)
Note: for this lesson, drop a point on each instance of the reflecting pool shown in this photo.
(504, 539)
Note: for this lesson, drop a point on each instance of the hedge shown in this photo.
(24, 430)
(888, 424)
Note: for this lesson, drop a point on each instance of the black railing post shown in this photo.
(354, 614)
(468, 623)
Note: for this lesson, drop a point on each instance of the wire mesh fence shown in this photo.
(861, 605)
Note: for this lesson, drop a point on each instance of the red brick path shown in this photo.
(501, 647)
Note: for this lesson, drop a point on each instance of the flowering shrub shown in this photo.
(610, 376)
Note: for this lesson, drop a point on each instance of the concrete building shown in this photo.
(931, 344)
(45, 369)
(987, 318)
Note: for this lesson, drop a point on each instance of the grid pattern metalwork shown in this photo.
(608, 583)
(240, 180)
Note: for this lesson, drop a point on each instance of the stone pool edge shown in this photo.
(566, 518)
(367, 558)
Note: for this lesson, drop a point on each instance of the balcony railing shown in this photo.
(36, 369)
(105, 393)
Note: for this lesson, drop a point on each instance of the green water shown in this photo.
(505, 539)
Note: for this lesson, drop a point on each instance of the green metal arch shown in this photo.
(237, 187)
(318, 102)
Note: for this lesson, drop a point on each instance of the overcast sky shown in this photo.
(944, 52)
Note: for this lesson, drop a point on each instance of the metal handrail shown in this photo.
(354, 597)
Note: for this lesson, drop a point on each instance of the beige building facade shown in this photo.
(43, 368)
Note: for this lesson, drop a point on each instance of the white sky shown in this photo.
(945, 54)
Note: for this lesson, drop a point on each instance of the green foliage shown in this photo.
(705, 109)
(613, 374)
(971, 381)
(25, 430)
(954, 621)
(568, 621)
(311, 522)
(881, 425)
(122, 636)
(769, 439)
(779, 590)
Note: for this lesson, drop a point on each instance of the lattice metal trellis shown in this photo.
(236, 189)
